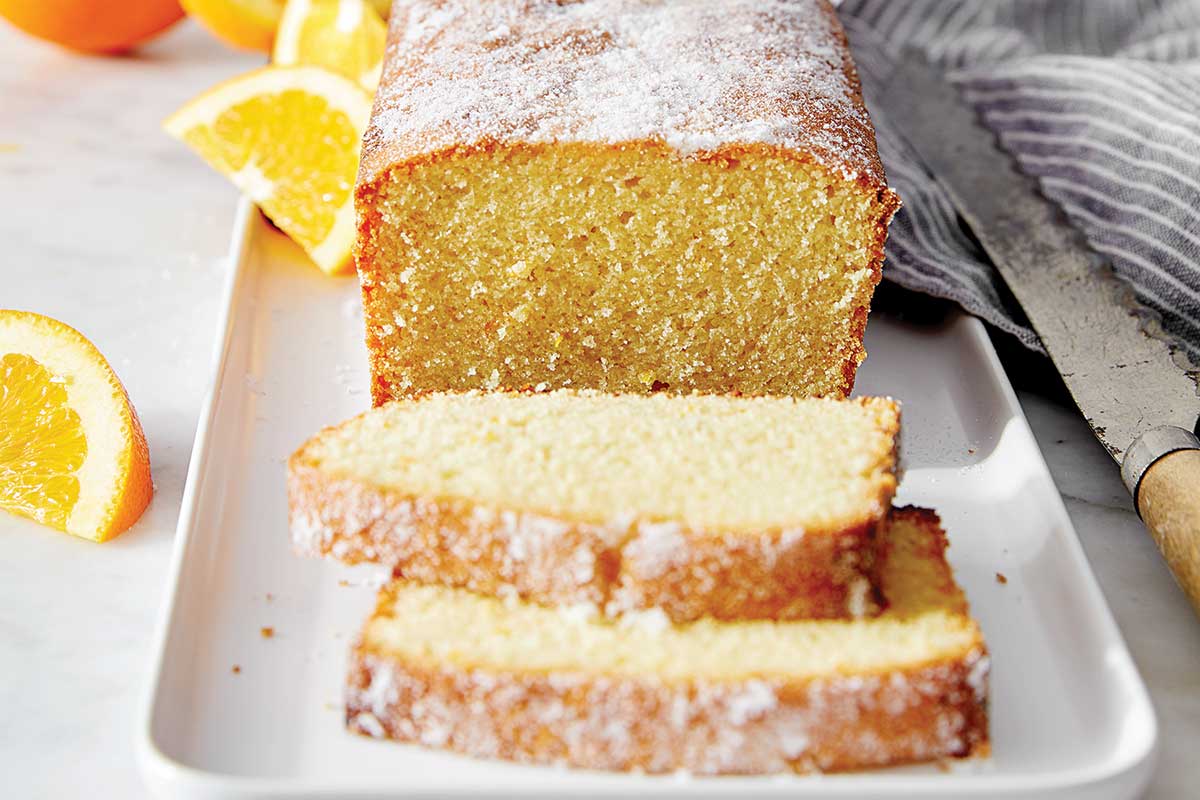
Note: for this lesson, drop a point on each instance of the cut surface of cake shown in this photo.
(448, 668)
(698, 505)
(625, 195)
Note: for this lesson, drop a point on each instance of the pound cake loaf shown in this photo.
(624, 195)
(447, 668)
(719, 506)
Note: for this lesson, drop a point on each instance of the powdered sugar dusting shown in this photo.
(692, 74)
(977, 676)
(381, 692)
(578, 613)
(643, 724)
(309, 531)
(754, 700)
(857, 597)
(791, 537)
(651, 621)
(369, 724)
(654, 548)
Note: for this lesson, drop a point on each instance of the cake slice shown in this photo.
(717, 506)
(448, 668)
(624, 195)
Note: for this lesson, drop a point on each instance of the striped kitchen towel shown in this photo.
(1099, 99)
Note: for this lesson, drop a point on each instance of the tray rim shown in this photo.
(163, 774)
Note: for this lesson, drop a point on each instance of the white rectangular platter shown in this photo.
(231, 712)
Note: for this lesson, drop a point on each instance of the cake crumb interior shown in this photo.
(621, 268)
(710, 463)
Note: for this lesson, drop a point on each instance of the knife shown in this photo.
(1120, 369)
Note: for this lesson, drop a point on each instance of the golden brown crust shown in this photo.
(463, 74)
(619, 567)
(769, 576)
(449, 542)
(932, 711)
(888, 203)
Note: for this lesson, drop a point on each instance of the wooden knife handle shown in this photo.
(1168, 499)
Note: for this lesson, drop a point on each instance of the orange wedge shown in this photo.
(288, 137)
(346, 36)
(72, 452)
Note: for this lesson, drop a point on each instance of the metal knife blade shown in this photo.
(1124, 379)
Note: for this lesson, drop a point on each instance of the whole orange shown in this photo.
(95, 26)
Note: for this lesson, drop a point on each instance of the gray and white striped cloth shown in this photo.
(1099, 99)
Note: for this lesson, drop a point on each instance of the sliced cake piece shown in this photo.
(618, 194)
(448, 668)
(699, 505)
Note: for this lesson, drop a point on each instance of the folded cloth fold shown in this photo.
(1098, 99)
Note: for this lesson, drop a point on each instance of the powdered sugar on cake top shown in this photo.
(693, 74)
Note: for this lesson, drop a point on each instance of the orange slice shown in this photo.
(346, 36)
(72, 452)
(288, 137)
(249, 24)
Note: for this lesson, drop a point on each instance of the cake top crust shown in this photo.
(697, 75)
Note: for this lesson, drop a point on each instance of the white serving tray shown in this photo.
(1070, 716)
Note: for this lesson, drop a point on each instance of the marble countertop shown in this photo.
(110, 225)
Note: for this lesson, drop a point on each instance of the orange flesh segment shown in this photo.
(42, 443)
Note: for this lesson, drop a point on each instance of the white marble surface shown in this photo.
(108, 224)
